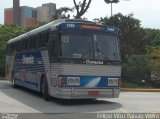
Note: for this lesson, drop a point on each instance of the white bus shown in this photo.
(69, 59)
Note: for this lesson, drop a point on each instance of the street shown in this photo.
(25, 101)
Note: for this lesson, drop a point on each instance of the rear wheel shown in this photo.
(44, 89)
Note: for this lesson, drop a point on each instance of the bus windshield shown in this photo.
(89, 45)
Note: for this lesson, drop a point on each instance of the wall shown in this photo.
(8, 16)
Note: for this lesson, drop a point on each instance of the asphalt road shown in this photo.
(26, 101)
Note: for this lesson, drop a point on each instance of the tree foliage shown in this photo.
(153, 37)
(155, 62)
(132, 39)
(81, 7)
(6, 33)
(137, 68)
(61, 13)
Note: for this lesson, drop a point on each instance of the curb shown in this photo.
(139, 90)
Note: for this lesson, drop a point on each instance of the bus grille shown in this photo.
(87, 70)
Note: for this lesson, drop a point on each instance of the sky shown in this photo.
(148, 12)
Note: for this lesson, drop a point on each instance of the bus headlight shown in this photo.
(113, 82)
(73, 81)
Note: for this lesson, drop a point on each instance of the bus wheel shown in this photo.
(44, 89)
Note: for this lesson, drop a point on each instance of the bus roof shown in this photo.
(51, 25)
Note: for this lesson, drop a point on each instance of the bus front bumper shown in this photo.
(86, 93)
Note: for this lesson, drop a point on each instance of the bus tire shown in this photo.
(44, 89)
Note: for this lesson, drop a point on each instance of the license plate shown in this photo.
(93, 93)
(112, 81)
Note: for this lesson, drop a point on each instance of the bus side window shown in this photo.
(43, 39)
(12, 48)
(33, 42)
(25, 43)
(51, 43)
(19, 46)
(54, 46)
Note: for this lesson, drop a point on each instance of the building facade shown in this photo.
(46, 12)
(28, 16)
(8, 16)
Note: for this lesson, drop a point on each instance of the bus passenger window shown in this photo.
(33, 42)
(19, 46)
(25, 44)
(43, 39)
(12, 48)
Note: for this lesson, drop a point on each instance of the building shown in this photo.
(8, 16)
(16, 12)
(46, 12)
(28, 16)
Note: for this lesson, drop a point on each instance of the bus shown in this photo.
(67, 59)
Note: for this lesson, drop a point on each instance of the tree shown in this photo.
(111, 2)
(81, 7)
(61, 13)
(153, 37)
(154, 52)
(132, 38)
(136, 69)
(8, 32)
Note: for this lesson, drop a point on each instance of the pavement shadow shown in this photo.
(33, 100)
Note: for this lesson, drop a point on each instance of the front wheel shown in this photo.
(44, 89)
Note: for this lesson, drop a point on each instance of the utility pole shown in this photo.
(111, 9)
(111, 2)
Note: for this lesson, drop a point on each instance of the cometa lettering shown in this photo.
(94, 62)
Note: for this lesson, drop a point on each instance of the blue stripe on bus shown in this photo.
(26, 67)
(92, 81)
(32, 83)
(28, 82)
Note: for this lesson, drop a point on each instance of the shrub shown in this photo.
(136, 69)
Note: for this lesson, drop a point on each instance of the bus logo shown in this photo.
(94, 62)
(27, 60)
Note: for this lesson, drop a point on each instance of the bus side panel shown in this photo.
(28, 68)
